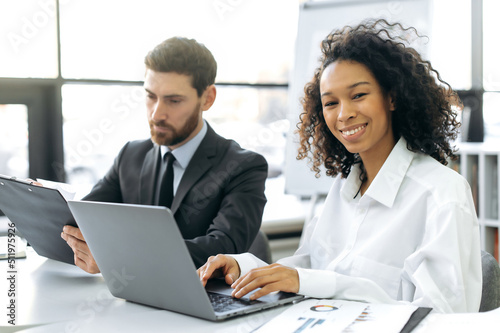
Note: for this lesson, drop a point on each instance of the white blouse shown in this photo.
(412, 237)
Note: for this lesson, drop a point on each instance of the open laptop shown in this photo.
(143, 258)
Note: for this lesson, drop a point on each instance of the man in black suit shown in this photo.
(218, 188)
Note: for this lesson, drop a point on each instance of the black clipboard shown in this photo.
(39, 214)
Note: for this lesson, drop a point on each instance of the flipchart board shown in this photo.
(316, 20)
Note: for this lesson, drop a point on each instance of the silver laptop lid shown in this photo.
(142, 256)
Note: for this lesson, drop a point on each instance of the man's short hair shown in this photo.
(184, 56)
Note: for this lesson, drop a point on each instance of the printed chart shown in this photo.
(315, 316)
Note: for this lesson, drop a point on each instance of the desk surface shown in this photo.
(57, 297)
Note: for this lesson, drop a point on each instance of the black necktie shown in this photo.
(167, 182)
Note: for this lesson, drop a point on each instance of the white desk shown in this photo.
(3, 225)
(57, 297)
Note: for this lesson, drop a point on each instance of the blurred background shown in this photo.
(71, 74)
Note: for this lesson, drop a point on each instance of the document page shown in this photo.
(315, 316)
(481, 322)
(66, 190)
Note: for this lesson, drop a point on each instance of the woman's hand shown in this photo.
(270, 278)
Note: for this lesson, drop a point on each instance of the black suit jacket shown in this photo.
(219, 203)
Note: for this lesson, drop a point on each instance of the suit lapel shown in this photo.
(200, 163)
(147, 182)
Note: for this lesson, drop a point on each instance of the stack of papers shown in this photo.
(314, 316)
(66, 190)
(481, 322)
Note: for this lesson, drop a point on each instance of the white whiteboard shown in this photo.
(316, 21)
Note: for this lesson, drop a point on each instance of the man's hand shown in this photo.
(220, 265)
(269, 279)
(83, 258)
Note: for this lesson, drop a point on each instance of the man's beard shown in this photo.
(172, 136)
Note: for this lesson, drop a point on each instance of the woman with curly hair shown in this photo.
(397, 224)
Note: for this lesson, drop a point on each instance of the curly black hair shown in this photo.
(423, 101)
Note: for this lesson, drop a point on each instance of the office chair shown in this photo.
(260, 247)
(490, 298)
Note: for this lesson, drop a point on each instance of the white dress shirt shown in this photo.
(412, 237)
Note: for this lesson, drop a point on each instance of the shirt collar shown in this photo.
(184, 153)
(386, 184)
(352, 184)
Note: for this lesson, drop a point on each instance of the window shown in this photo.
(491, 30)
(255, 118)
(82, 101)
(14, 140)
(251, 79)
(98, 121)
(244, 36)
(92, 102)
(491, 71)
(450, 42)
(29, 39)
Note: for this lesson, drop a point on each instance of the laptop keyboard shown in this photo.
(222, 303)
